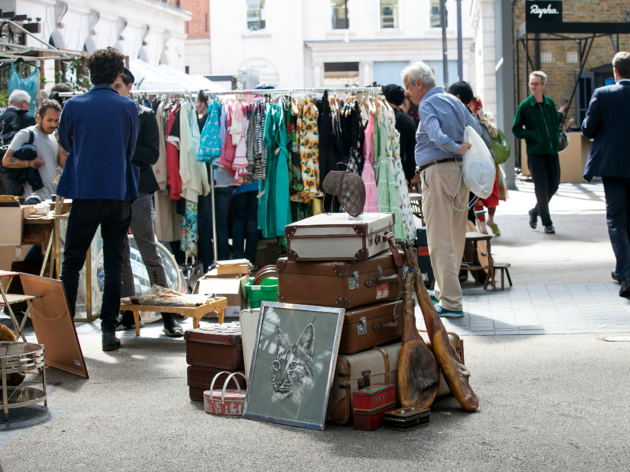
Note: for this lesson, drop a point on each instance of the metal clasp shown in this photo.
(362, 328)
(379, 271)
(365, 381)
(353, 282)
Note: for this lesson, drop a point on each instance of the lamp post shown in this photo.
(444, 43)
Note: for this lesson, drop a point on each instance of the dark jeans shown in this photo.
(114, 217)
(245, 225)
(223, 195)
(545, 170)
(617, 190)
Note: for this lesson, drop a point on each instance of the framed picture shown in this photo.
(293, 364)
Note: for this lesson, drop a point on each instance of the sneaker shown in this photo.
(533, 218)
(449, 313)
(495, 229)
(173, 330)
(550, 229)
(433, 298)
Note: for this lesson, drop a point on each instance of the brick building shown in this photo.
(560, 59)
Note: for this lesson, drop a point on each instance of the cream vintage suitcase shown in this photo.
(249, 326)
(339, 237)
(376, 365)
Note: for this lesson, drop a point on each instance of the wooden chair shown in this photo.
(486, 260)
(415, 199)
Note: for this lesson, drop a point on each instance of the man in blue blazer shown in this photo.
(608, 124)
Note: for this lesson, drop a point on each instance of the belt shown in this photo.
(438, 161)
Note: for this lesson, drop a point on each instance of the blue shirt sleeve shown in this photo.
(429, 116)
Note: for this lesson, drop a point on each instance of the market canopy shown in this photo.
(163, 77)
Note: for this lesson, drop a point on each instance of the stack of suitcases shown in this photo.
(352, 263)
(216, 348)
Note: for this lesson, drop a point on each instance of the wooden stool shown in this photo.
(504, 269)
(218, 304)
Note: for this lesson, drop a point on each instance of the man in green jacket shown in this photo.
(536, 122)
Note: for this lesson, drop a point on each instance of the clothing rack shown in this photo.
(246, 92)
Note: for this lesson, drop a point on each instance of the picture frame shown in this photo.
(293, 364)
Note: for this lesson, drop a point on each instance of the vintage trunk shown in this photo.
(339, 284)
(339, 237)
(200, 378)
(380, 365)
(214, 348)
(368, 421)
(370, 326)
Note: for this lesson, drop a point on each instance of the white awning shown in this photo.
(164, 77)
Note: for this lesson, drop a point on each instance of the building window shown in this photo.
(341, 74)
(340, 19)
(389, 13)
(255, 15)
(436, 20)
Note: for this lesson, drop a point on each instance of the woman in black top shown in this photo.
(395, 96)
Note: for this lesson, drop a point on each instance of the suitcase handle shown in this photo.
(373, 282)
(227, 381)
(378, 239)
(376, 326)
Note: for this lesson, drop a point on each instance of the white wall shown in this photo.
(75, 32)
(482, 20)
(277, 50)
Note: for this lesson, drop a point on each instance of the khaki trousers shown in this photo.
(445, 208)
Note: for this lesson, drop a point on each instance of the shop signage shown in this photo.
(543, 11)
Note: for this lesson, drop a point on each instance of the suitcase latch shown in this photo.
(379, 271)
(365, 381)
(353, 282)
(362, 328)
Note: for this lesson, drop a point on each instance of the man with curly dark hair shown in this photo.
(99, 131)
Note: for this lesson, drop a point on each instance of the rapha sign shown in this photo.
(543, 11)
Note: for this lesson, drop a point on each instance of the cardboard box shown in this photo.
(233, 267)
(233, 288)
(12, 216)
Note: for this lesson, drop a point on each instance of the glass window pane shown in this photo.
(389, 13)
(435, 14)
(256, 15)
(340, 18)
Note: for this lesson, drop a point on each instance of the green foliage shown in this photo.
(4, 98)
(75, 67)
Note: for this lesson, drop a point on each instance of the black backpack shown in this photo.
(12, 180)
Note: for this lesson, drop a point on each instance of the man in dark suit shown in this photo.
(607, 124)
(147, 153)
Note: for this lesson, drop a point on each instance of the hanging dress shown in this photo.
(210, 141)
(371, 200)
(30, 85)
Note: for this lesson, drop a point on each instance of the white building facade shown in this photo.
(317, 43)
(150, 30)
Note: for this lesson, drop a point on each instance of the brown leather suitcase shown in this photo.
(339, 284)
(200, 379)
(219, 349)
(371, 325)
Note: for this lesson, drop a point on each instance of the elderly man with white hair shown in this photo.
(16, 116)
(439, 153)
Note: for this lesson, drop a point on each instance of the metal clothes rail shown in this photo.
(377, 90)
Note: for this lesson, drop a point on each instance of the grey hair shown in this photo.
(419, 71)
(539, 73)
(18, 96)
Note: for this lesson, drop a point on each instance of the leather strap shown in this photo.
(437, 161)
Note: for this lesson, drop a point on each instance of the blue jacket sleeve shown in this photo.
(593, 120)
(65, 129)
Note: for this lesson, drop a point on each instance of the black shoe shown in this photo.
(110, 342)
(624, 291)
(533, 218)
(550, 229)
(173, 330)
(615, 277)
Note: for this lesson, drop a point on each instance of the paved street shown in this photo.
(553, 393)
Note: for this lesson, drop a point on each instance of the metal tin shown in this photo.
(225, 402)
(405, 419)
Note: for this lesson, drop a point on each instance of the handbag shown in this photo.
(501, 148)
(564, 141)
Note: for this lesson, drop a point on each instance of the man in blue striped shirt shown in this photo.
(439, 153)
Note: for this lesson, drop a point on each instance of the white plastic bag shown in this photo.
(479, 170)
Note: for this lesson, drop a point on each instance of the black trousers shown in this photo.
(114, 217)
(617, 190)
(545, 170)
